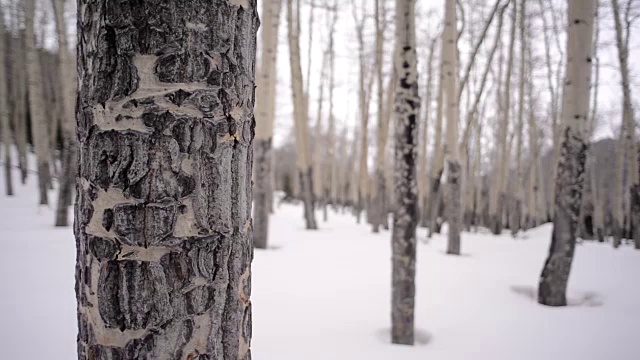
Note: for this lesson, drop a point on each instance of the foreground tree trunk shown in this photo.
(4, 112)
(36, 104)
(163, 223)
(405, 218)
(265, 114)
(67, 79)
(570, 176)
(301, 119)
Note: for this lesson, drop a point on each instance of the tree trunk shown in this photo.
(36, 105)
(516, 209)
(437, 167)
(67, 76)
(633, 182)
(424, 174)
(305, 172)
(163, 215)
(450, 68)
(4, 112)
(406, 212)
(19, 95)
(331, 186)
(265, 114)
(570, 176)
(498, 196)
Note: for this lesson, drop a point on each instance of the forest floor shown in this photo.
(326, 294)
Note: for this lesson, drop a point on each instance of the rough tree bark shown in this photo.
(265, 114)
(570, 176)
(66, 88)
(36, 104)
(4, 112)
(405, 217)
(450, 68)
(163, 222)
(301, 120)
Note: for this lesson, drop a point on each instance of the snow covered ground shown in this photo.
(326, 294)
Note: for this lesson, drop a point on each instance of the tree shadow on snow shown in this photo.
(574, 298)
(421, 337)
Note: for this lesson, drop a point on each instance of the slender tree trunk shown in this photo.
(265, 114)
(318, 153)
(450, 68)
(4, 112)
(633, 182)
(378, 207)
(516, 208)
(163, 217)
(36, 104)
(406, 214)
(437, 167)
(423, 170)
(19, 94)
(331, 187)
(305, 172)
(498, 198)
(570, 178)
(67, 74)
(597, 197)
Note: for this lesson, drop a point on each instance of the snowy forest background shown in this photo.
(474, 270)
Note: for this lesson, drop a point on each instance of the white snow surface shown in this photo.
(326, 294)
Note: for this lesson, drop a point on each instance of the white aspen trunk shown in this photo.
(36, 105)
(532, 217)
(496, 206)
(450, 100)
(331, 187)
(633, 180)
(597, 198)
(406, 191)
(318, 151)
(437, 167)
(570, 176)
(423, 180)
(67, 78)
(4, 112)
(516, 208)
(379, 206)
(301, 118)
(265, 117)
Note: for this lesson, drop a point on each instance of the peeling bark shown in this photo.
(162, 219)
(570, 176)
(406, 192)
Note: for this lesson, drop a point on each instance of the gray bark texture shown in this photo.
(405, 218)
(162, 219)
(19, 96)
(571, 163)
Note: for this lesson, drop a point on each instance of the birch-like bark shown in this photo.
(450, 100)
(379, 206)
(532, 216)
(516, 208)
(437, 166)
(4, 112)
(406, 190)
(265, 117)
(301, 120)
(597, 197)
(496, 204)
(36, 105)
(570, 177)
(163, 215)
(423, 179)
(67, 78)
(628, 118)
